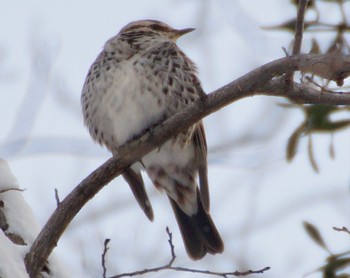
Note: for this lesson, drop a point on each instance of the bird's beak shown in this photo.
(180, 32)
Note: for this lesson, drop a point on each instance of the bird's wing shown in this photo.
(200, 146)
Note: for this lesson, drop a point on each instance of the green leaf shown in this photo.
(313, 232)
(293, 142)
(335, 264)
(311, 156)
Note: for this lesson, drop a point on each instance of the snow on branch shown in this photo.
(18, 230)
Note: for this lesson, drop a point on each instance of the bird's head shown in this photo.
(153, 28)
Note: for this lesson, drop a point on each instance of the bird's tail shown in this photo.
(198, 231)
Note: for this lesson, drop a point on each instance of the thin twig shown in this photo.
(105, 250)
(57, 197)
(172, 247)
(299, 26)
(343, 229)
(184, 269)
(298, 37)
(11, 189)
(169, 266)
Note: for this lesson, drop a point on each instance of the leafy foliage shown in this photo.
(335, 263)
(318, 118)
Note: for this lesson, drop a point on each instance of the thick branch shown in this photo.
(255, 82)
(301, 93)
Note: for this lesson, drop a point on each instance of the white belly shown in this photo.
(127, 108)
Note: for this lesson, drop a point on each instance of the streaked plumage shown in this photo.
(140, 78)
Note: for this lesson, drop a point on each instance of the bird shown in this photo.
(139, 79)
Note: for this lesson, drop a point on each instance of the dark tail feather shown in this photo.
(137, 186)
(198, 232)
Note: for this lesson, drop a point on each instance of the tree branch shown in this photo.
(343, 229)
(299, 26)
(298, 36)
(103, 257)
(258, 81)
(169, 266)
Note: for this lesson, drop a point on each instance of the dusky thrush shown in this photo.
(140, 78)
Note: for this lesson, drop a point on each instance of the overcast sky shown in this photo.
(258, 199)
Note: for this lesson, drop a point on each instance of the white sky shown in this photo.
(258, 200)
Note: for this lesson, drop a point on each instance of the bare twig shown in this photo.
(169, 266)
(172, 247)
(299, 26)
(343, 229)
(105, 250)
(298, 37)
(11, 189)
(254, 83)
(184, 269)
(57, 197)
